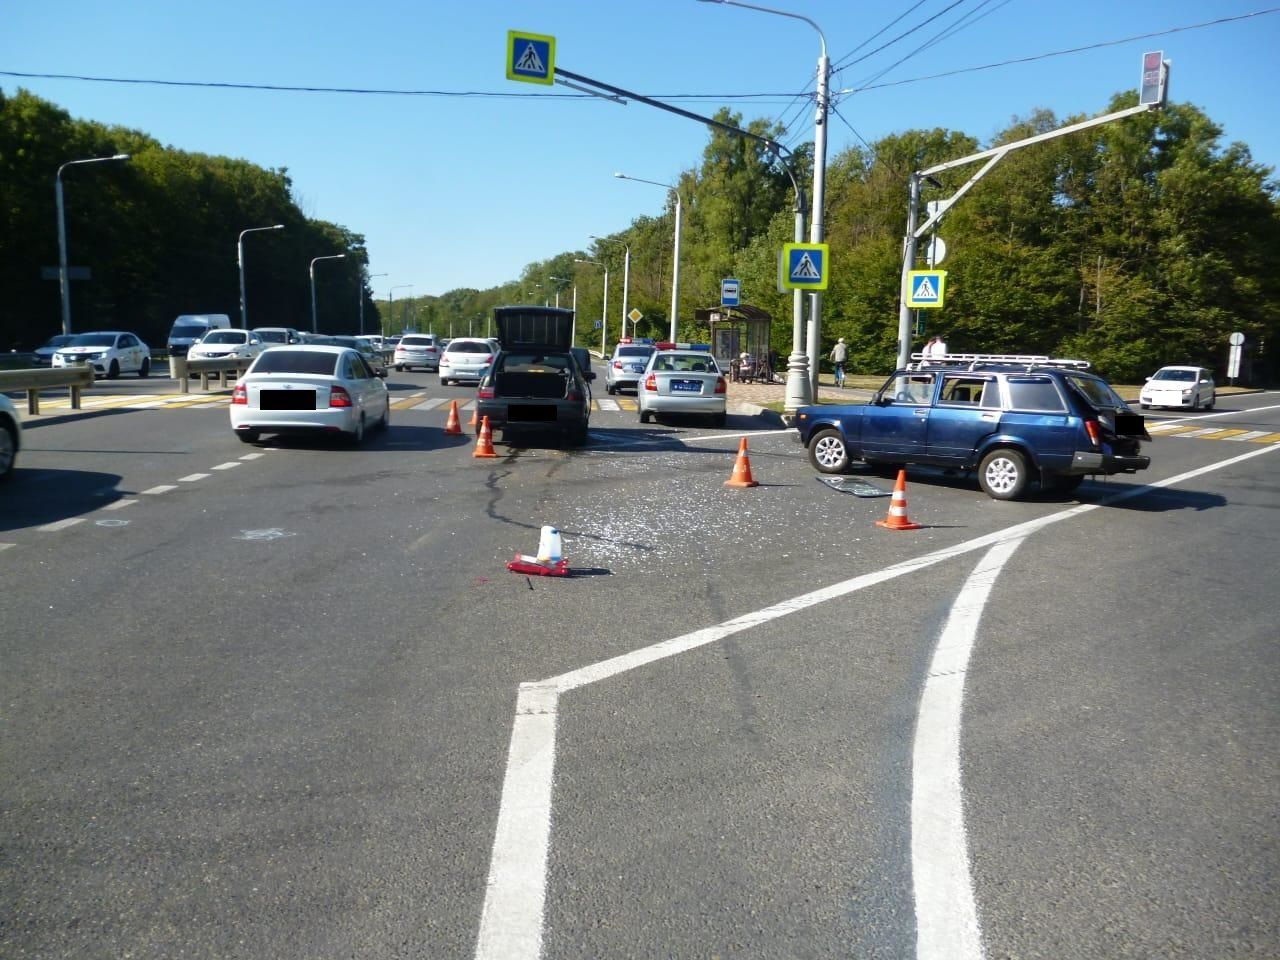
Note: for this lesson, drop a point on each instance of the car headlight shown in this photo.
(1187, 392)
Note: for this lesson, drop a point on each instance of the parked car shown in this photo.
(626, 365)
(465, 358)
(271, 336)
(10, 437)
(43, 354)
(1181, 387)
(682, 381)
(109, 352)
(535, 381)
(230, 344)
(1011, 423)
(309, 389)
(361, 345)
(417, 350)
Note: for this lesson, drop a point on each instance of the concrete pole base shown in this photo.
(798, 391)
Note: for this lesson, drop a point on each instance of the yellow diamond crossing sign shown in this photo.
(926, 288)
(531, 57)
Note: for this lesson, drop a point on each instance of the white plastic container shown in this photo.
(549, 546)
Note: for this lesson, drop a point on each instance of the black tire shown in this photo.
(610, 389)
(719, 420)
(828, 452)
(1145, 406)
(444, 382)
(1213, 398)
(385, 422)
(357, 436)
(1003, 474)
(113, 371)
(144, 371)
(578, 435)
(646, 416)
(8, 451)
(247, 436)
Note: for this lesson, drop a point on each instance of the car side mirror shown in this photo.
(1148, 379)
(590, 374)
(381, 373)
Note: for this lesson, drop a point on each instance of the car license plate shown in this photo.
(287, 400)
(686, 386)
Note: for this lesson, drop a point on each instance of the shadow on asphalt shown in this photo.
(34, 497)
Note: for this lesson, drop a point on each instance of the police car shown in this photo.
(629, 359)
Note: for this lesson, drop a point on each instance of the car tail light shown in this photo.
(651, 382)
(484, 393)
(1095, 432)
(338, 397)
(720, 385)
(573, 395)
(617, 364)
(240, 394)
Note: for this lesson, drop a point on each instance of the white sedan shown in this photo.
(229, 344)
(309, 390)
(109, 352)
(1190, 387)
(682, 381)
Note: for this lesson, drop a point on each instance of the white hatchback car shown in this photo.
(229, 344)
(109, 352)
(309, 389)
(465, 358)
(682, 381)
(10, 436)
(417, 350)
(1190, 387)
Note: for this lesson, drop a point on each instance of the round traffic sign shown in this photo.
(937, 251)
(1236, 339)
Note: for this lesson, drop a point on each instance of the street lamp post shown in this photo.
(626, 276)
(64, 281)
(364, 279)
(391, 307)
(604, 306)
(675, 266)
(244, 317)
(816, 224)
(336, 256)
(558, 281)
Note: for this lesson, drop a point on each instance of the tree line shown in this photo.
(1132, 244)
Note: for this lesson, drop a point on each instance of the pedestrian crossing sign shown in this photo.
(926, 288)
(531, 57)
(804, 266)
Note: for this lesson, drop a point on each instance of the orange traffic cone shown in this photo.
(897, 519)
(472, 421)
(453, 426)
(741, 468)
(484, 442)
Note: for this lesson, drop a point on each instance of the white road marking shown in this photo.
(156, 491)
(608, 403)
(428, 404)
(251, 456)
(60, 524)
(6, 546)
(1251, 435)
(511, 921)
(229, 465)
(1198, 433)
(735, 435)
(118, 504)
(946, 916)
(193, 477)
(1166, 424)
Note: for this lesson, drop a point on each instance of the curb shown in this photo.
(772, 417)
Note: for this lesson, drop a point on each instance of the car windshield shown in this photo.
(225, 336)
(296, 361)
(93, 340)
(188, 330)
(1182, 376)
(469, 346)
(272, 336)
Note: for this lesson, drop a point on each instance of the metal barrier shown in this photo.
(33, 381)
(180, 368)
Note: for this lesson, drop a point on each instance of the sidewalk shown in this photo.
(750, 398)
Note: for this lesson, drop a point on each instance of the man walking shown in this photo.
(839, 354)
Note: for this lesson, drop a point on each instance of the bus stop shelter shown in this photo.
(741, 330)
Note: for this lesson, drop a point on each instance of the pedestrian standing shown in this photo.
(839, 354)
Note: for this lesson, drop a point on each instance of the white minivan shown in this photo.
(190, 327)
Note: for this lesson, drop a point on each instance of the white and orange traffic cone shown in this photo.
(741, 476)
(472, 422)
(453, 426)
(484, 441)
(897, 518)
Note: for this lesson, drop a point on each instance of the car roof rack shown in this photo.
(971, 360)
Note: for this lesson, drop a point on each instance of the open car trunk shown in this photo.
(521, 328)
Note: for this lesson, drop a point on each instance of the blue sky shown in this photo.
(465, 191)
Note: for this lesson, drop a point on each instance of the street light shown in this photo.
(244, 319)
(675, 256)
(626, 275)
(64, 284)
(604, 307)
(573, 325)
(364, 279)
(391, 305)
(336, 256)
(819, 180)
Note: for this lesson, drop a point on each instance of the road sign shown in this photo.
(597, 324)
(804, 266)
(1236, 339)
(729, 290)
(937, 252)
(635, 316)
(926, 288)
(1153, 78)
(531, 57)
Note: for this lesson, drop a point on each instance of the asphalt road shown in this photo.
(264, 707)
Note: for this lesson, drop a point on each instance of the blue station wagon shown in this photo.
(1011, 422)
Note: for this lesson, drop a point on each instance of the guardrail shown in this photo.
(33, 381)
(180, 368)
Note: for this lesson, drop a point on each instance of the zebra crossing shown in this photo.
(1190, 431)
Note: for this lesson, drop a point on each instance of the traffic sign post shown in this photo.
(531, 57)
(804, 266)
(729, 292)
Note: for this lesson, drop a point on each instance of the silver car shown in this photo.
(683, 381)
(465, 358)
(417, 350)
(626, 365)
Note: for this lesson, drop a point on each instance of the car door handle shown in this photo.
(991, 416)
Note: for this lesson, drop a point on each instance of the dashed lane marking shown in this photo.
(119, 504)
(193, 477)
(5, 546)
(229, 465)
(60, 524)
(159, 489)
(251, 456)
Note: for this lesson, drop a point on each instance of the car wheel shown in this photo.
(385, 422)
(1213, 398)
(1003, 474)
(578, 435)
(719, 420)
(828, 452)
(645, 415)
(444, 381)
(399, 368)
(610, 389)
(247, 436)
(8, 452)
(144, 371)
(1145, 406)
(357, 435)
(113, 371)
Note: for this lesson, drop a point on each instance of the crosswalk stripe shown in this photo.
(428, 404)
(1157, 427)
(1268, 438)
(1250, 435)
(1202, 432)
(606, 404)
(1224, 435)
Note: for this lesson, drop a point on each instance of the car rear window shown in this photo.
(279, 360)
(1035, 393)
(272, 336)
(468, 346)
(634, 351)
(1098, 393)
(418, 342)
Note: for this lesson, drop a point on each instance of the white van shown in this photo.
(190, 327)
